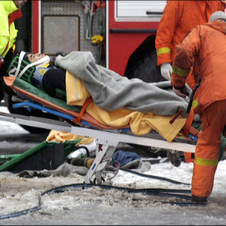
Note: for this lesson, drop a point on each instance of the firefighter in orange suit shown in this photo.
(179, 17)
(205, 47)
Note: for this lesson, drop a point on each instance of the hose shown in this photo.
(150, 191)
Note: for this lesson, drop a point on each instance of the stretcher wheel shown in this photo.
(96, 181)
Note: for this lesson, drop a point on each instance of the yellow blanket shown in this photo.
(60, 136)
(140, 123)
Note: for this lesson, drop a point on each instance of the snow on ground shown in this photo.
(8, 127)
(107, 206)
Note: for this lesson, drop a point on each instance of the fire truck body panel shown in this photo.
(128, 28)
(125, 25)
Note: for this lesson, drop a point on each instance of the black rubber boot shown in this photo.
(199, 200)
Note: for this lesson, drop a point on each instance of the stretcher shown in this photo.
(75, 120)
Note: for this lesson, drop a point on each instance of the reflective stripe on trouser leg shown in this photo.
(206, 155)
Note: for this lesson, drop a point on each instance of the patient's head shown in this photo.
(34, 57)
(25, 64)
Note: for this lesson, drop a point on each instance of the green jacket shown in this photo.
(8, 33)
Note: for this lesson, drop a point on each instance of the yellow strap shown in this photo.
(181, 72)
(163, 50)
(206, 162)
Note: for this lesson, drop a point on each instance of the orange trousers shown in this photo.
(206, 155)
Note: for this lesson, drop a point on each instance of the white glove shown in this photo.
(166, 71)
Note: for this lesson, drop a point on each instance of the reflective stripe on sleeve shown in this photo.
(163, 50)
(206, 162)
(181, 72)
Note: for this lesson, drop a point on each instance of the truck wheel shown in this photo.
(142, 63)
(146, 69)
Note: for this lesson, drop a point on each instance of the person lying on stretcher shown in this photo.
(36, 69)
(108, 89)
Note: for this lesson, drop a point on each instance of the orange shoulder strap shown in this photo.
(86, 104)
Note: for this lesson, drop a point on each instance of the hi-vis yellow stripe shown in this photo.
(195, 103)
(163, 50)
(206, 162)
(181, 72)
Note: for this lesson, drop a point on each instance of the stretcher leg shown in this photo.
(103, 158)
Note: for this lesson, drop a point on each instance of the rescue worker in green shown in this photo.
(205, 47)
(9, 12)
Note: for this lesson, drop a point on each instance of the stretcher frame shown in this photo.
(107, 139)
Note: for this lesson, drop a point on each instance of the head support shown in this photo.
(219, 15)
(18, 64)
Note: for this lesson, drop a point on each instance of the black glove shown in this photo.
(181, 91)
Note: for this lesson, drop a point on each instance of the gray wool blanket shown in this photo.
(111, 91)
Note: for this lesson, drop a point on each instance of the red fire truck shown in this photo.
(128, 29)
(119, 33)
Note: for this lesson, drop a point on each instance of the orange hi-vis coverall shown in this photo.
(179, 17)
(205, 46)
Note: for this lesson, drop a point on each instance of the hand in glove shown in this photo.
(166, 71)
(181, 91)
